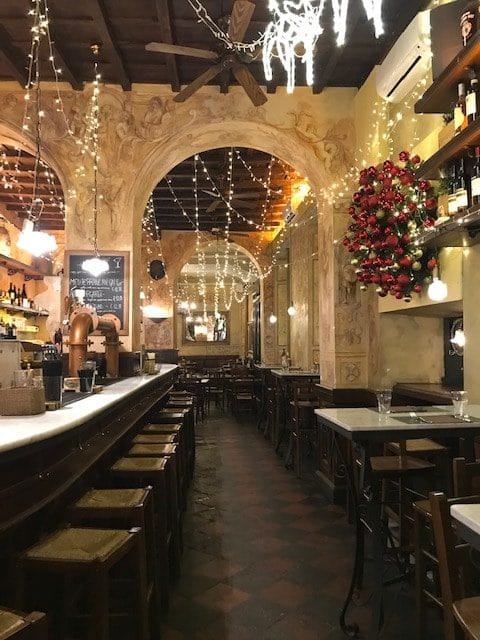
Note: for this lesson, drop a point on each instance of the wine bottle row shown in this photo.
(467, 107)
(16, 296)
(463, 179)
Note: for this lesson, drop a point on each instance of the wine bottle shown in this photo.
(452, 183)
(11, 294)
(471, 101)
(14, 331)
(459, 113)
(462, 188)
(475, 182)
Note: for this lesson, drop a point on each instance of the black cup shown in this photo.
(86, 379)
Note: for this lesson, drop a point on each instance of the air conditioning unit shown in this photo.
(407, 61)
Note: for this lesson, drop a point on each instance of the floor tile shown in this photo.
(286, 593)
(222, 597)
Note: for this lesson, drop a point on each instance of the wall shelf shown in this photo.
(454, 149)
(15, 266)
(440, 96)
(462, 230)
(13, 308)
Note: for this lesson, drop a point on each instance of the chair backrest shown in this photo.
(242, 385)
(453, 558)
(466, 477)
(305, 391)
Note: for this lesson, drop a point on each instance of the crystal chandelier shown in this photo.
(296, 26)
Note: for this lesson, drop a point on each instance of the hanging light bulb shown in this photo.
(37, 243)
(272, 319)
(437, 290)
(291, 310)
(95, 266)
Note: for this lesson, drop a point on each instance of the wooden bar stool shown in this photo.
(179, 433)
(80, 562)
(187, 434)
(124, 509)
(459, 612)
(139, 472)
(186, 416)
(22, 626)
(174, 486)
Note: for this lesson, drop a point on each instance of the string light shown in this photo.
(96, 265)
(296, 27)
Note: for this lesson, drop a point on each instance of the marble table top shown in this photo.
(363, 423)
(285, 373)
(468, 515)
(18, 431)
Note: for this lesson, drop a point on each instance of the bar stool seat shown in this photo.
(155, 438)
(91, 553)
(126, 508)
(138, 472)
(31, 626)
(386, 466)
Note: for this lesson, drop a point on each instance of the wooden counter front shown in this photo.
(48, 460)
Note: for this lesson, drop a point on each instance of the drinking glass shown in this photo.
(460, 403)
(384, 400)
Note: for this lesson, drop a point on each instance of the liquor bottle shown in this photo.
(471, 101)
(469, 21)
(452, 183)
(11, 294)
(475, 182)
(459, 114)
(462, 187)
(2, 329)
(14, 331)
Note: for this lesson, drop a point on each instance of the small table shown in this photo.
(364, 428)
(467, 518)
(283, 378)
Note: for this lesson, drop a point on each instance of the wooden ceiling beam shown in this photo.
(9, 56)
(101, 19)
(165, 23)
(67, 73)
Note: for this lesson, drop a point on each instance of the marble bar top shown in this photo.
(267, 367)
(358, 422)
(19, 431)
(468, 515)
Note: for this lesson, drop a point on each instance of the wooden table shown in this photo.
(365, 428)
(467, 517)
(283, 379)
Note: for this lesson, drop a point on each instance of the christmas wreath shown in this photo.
(388, 211)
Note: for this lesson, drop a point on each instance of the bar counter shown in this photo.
(47, 460)
(19, 431)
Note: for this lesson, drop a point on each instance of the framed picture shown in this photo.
(199, 329)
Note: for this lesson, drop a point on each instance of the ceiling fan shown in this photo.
(226, 61)
(242, 200)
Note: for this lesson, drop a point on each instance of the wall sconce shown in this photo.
(457, 337)
(154, 313)
(272, 319)
(438, 290)
(291, 310)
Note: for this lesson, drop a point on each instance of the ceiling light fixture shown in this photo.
(95, 266)
(296, 27)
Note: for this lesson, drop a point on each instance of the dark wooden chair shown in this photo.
(466, 482)
(302, 423)
(459, 612)
(78, 564)
(22, 626)
(243, 397)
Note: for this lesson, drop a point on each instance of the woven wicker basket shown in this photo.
(23, 401)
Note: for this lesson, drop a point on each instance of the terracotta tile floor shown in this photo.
(266, 556)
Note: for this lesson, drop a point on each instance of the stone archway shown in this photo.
(276, 141)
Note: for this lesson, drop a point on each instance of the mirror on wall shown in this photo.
(211, 327)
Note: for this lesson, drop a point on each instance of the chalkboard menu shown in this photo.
(108, 293)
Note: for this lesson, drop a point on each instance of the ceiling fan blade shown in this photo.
(163, 47)
(249, 194)
(213, 206)
(198, 83)
(246, 204)
(248, 82)
(211, 193)
(242, 13)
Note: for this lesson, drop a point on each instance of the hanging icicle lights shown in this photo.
(296, 27)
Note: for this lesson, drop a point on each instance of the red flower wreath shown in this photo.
(388, 211)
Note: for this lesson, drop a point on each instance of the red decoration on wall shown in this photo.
(389, 211)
